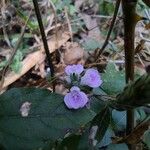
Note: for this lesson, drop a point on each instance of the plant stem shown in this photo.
(129, 13)
(111, 27)
(48, 55)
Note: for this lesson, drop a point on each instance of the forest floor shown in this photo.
(75, 30)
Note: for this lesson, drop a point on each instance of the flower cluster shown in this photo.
(78, 77)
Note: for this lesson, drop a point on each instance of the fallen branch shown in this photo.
(32, 59)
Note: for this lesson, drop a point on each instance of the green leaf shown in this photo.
(106, 7)
(117, 147)
(16, 63)
(135, 94)
(78, 141)
(147, 138)
(113, 80)
(97, 104)
(30, 23)
(140, 114)
(99, 125)
(107, 138)
(91, 44)
(72, 10)
(84, 140)
(70, 143)
(2, 64)
(48, 118)
(98, 91)
(119, 119)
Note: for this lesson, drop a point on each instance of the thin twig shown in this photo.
(55, 18)
(56, 32)
(101, 16)
(140, 60)
(110, 29)
(69, 24)
(48, 55)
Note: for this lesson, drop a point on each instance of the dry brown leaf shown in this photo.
(78, 4)
(93, 30)
(57, 41)
(60, 89)
(140, 46)
(73, 53)
(139, 69)
(147, 26)
(40, 68)
(92, 26)
(89, 22)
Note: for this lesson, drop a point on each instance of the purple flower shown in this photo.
(91, 78)
(76, 69)
(75, 99)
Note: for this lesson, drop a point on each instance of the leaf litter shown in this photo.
(91, 27)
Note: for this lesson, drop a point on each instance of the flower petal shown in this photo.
(91, 78)
(75, 99)
(76, 69)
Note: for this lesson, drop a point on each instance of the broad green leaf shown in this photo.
(107, 138)
(119, 119)
(135, 94)
(117, 147)
(91, 44)
(16, 64)
(140, 114)
(48, 118)
(106, 7)
(84, 140)
(146, 138)
(113, 80)
(97, 104)
(78, 141)
(70, 143)
(98, 91)
(72, 10)
(100, 124)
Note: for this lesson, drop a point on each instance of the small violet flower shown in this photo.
(91, 78)
(76, 69)
(76, 98)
